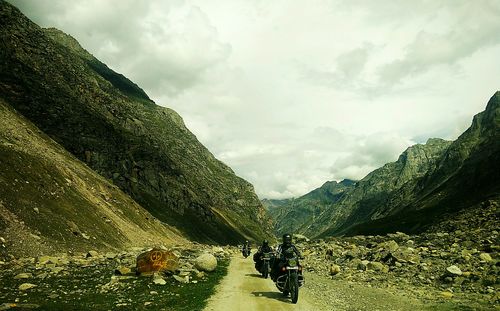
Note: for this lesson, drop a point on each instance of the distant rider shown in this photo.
(257, 257)
(246, 248)
(285, 250)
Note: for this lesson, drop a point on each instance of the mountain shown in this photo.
(467, 176)
(373, 195)
(425, 185)
(108, 122)
(296, 215)
(51, 202)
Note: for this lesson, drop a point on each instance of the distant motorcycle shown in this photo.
(245, 251)
(266, 259)
(290, 278)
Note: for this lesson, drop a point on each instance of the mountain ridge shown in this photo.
(108, 122)
(426, 182)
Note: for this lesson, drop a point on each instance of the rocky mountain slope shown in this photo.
(426, 183)
(108, 122)
(51, 202)
(296, 215)
(372, 196)
(467, 174)
(453, 264)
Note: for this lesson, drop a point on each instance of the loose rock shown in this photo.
(206, 262)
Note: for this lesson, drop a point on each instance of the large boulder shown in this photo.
(206, 262)
(157, 260)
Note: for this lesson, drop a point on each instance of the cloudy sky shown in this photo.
(291, 94)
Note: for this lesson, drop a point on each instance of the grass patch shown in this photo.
(82, 289)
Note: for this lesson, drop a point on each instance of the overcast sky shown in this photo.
(291, 94)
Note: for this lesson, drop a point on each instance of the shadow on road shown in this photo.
(253, 275)
(272, 295)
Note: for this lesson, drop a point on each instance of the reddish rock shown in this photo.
(157, 260)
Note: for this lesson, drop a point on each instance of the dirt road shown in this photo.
(244, 289)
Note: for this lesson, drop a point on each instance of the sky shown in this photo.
(291, 94)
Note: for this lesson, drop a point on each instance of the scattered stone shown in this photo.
(85, 236)
(56, 270)
(45, 260)
(453, 270)
(123, 270)
(206, 262)
(26, 286)
(485, 257)
(217, 250)
(334, 269)
(159, 281)
(181, 279)
(36, 210)
(377, 266)
(23, 276)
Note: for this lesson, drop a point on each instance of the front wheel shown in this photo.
(294, 287)
(266, 270)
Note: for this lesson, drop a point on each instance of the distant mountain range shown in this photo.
(71, 101)
(426, 183)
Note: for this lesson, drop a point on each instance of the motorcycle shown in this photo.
(245, 251)
(266, 259)
(290, 278)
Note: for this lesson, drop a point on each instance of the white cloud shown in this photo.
(291, 94)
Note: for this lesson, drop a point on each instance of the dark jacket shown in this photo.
(285, 251)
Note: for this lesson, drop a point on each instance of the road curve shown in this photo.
(243, 288)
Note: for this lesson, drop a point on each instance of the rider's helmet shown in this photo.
(265, 243)
(287, 239)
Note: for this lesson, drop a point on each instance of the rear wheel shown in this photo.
(294, 287)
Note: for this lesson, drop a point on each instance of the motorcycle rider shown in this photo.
(286, 248)
(246, 247)
(257, 257)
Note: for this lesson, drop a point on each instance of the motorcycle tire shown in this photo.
(294, 287)
(266, 270)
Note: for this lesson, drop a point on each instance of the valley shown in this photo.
(98, 181)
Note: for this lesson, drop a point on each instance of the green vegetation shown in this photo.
(83, 288)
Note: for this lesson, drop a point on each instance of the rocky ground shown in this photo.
(448, 263)
(107, 281)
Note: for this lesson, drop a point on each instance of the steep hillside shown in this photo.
(467, 175)
(50, 201)
(374, 194)
(109, 123)
(296, 215)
